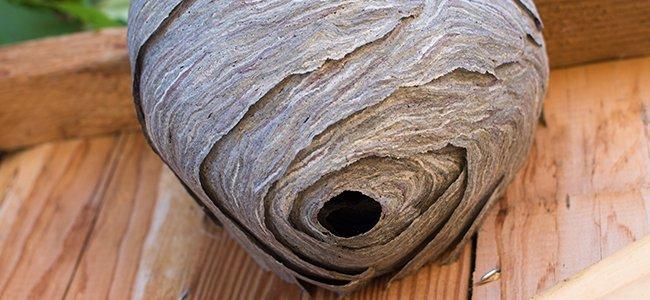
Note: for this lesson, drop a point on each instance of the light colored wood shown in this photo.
(624, 275)
(63, 87)
(103, 218)
(48, 200)
(431, 282)
(79, 85)
(584, 193)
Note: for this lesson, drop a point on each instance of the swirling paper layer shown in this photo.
(270, 110)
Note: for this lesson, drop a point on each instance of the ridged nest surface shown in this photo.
(339, 141)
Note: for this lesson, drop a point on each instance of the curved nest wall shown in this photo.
(339, 141)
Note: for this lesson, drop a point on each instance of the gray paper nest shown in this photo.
(339, 141)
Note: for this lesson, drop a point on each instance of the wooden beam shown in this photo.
(624, 275)
(79, 85)
(583, 31)
(70, 86)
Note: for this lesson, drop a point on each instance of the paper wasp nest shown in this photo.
(339, 141)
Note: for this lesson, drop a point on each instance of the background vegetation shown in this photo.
(28, 19)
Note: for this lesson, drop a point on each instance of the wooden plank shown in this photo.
(148, 240)
(116, 243)
(163, 247)
(430, 282)
(70, 86)
(584, 193)
(152, 241)
(582, 31)
(48, 201)
(624, 275)
(79, 85)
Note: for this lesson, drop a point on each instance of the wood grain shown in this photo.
(151, 241)
(584, 193)
(582, 31)
(102, 218)
(64, 87)
(431, 282)
(49, 197)
(79, 85)
(624, 275)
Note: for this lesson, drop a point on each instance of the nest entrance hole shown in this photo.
(349, 214)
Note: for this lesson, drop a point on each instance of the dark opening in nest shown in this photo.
(349, 214)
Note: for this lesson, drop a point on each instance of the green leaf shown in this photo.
(20, 23)
(83, 10)
(114, 9)
(90, 16)
(26, 19)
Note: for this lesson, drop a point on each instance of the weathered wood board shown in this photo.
(582, 31)
(64, 87)
(79, 85)
(584, 193)
(624, 275)
(102, 218)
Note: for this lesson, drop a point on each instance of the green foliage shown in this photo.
(114, 9)
(26, 19)
(20, 23)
